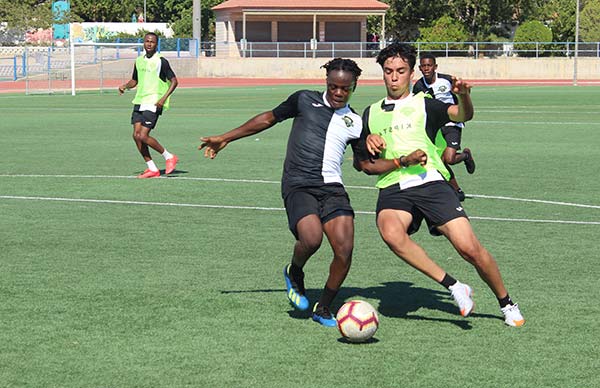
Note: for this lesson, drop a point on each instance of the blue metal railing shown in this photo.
(32, 61)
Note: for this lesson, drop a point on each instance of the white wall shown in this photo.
(90, 31)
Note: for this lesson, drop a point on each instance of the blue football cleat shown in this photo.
(323, 316)
(297, 299)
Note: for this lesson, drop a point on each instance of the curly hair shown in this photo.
(343, 64)
(428, 55)
(397, 49)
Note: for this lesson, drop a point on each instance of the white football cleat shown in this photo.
(462, 296)
(512, 315)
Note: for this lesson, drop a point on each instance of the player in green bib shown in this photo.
(155, 81)
(399, 137)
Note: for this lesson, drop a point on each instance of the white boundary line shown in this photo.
(535, 201)
(120, 202)
(522, 123)
(134, 177)
(278, 182)
(193, 205)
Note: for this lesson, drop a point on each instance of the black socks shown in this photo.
(505, 301)
(327, 297)
(448, 281)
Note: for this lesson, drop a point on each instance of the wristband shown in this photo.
(397, 162)
(404, 165)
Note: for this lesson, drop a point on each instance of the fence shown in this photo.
(52, 63)
(22, 62)
(443, 49)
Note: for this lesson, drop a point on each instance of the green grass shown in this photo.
(176, 282)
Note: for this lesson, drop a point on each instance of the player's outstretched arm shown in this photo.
(463, 111)
(213, 144)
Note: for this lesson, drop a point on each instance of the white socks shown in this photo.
(151, 165)
(167, 154)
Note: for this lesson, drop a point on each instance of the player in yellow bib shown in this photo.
(401, 131)
(155, 81)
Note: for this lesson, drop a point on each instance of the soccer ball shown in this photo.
(357, 321)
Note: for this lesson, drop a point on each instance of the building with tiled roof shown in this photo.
(309, 28)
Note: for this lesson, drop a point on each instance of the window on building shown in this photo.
(255, 31)
(342, 31)
(294, 31)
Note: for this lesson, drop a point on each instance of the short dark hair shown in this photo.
(397, 49)
(151, 33)
(343, 64)
(428, 55)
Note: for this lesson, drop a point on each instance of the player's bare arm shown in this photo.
(463, 111)
(381, 166)
(129, 85)
(172, 86)
(213, 144)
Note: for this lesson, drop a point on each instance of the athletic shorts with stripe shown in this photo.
(146, 117)
(435, 202)
(327, 202)
(452, 135)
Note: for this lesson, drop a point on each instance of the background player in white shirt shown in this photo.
(439, 86)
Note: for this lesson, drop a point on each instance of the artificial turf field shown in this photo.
(110, 281)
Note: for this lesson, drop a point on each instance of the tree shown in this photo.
(26, 14)
(445, 29)
(404, 17)
(480, 17)
(167, 11)
(104, 10)
(182, 23)
(560, 17)
(589, 21)
(523, 10)
(531, 31)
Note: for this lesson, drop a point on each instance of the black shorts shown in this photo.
(435, 202)
(327, 202)
(452, 134)
(147, 118)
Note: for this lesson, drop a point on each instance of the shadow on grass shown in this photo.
(371, 340)
(175, 173)
(396, 300)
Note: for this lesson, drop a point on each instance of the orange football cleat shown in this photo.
(149, 174)
(171, 164)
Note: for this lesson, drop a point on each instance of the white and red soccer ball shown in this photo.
(357, 320)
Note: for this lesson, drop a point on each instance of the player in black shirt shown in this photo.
(315, 200)
(439, 86)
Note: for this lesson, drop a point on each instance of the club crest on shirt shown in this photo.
(348, 121)
(443, 88)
